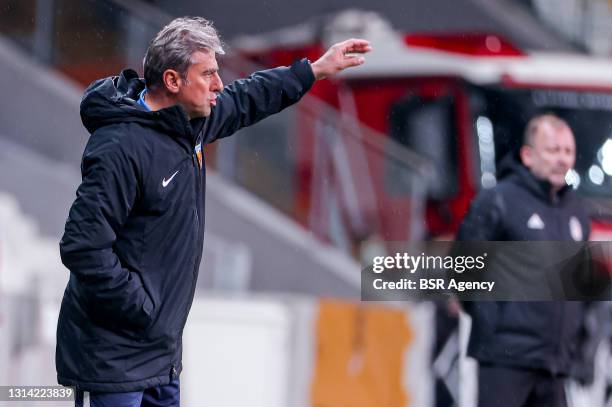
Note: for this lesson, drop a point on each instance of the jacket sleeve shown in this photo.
(483, 220)
(247, 101)
(104, 199)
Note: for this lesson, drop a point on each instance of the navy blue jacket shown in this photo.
(134, 235)
(532, 335)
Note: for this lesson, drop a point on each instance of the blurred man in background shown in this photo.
(134, 235)
(525, 349)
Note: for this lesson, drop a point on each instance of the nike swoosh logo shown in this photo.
(165, 181)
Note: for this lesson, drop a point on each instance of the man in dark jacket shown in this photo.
(524, 349)
(134, 235)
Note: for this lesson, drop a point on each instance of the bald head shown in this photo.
(544, 120)
(549, 149)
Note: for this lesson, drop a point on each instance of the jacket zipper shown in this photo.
(560, 334)
(196, 266)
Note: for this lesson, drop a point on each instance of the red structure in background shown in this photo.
(460, 100)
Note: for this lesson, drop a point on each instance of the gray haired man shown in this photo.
(134, 235)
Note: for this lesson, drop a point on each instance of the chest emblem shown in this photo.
(198, 151)
(165, 181)
(535, 222)
(575, 229)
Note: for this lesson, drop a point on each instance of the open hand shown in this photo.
(340, 56)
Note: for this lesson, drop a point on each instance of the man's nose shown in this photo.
(218, 83)
(567, 160)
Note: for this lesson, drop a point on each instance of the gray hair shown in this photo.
(174, 45)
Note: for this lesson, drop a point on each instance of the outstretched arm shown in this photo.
(340, 56)
(247, 101)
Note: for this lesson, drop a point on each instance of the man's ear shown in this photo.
(526, 154)
(172, 80)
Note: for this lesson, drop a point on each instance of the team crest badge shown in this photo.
(575, 229)
(198, 151)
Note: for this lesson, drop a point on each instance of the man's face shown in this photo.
(552, 154)
(197, 94)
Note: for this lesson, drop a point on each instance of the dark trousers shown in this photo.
(158, 396)
(502, 386)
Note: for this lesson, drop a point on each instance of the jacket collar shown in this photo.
(538, 187)
(114, 100)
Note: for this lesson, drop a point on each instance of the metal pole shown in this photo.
(43, 34)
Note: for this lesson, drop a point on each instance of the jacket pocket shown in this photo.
(526, 319)
(127, 317)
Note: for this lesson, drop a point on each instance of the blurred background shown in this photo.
(389, 153)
